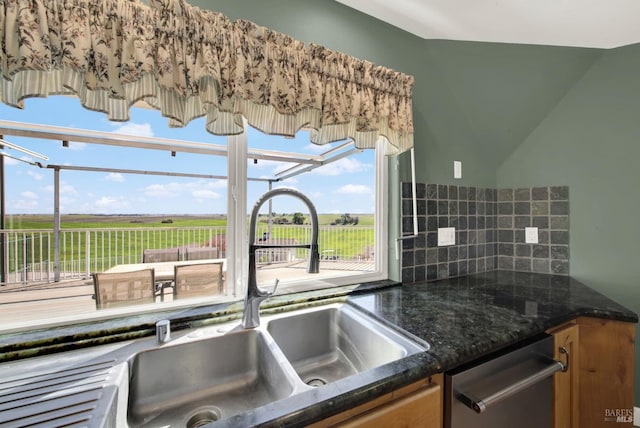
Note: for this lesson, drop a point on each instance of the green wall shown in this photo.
(474, 102)
(591, 142)
(515, 115)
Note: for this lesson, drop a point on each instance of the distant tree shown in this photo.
(281, 220)
(298, 218)
(346, 219)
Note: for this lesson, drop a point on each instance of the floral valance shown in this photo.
(189, 63)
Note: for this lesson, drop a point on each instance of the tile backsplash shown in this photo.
(490, 230)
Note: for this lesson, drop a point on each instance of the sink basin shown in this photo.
(208, 378)
(201, 381)
(330, 343)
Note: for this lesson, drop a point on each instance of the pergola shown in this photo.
(301, 163)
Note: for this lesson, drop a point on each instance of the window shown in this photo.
(344, 184)
(118, 200)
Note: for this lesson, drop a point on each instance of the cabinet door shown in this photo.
(415, 405)
(420, 409)
(606, 372)
(565, 384)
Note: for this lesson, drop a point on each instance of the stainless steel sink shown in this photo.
(330, 343)
(202, 379)
(186, 385)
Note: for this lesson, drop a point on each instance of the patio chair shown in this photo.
(201, 253)
(122, 289)
(163, 255)
(198, 280)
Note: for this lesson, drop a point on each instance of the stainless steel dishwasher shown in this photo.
(511, 389)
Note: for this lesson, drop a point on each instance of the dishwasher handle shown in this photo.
(479, 405)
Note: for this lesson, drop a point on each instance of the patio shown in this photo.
(23, 306)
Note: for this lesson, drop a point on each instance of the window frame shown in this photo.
(238, 153)
(237, 230)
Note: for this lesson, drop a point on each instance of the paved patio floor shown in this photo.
(23, 305)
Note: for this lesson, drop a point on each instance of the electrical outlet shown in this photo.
(457, 169)
(531, 235)
(446, 236)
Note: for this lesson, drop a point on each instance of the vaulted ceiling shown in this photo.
(484, 99)
(579, 23)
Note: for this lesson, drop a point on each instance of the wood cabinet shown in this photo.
(606, 367)
(416, 405)
(597, 389)
(565, 384)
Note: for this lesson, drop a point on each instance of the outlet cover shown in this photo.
(531, 235)
(446, 236)
(457, 169)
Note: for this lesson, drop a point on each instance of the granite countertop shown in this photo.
(467, 317)
(460, 318)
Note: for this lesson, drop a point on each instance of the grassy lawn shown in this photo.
(132, 234)
(82, 221)
(86, 221)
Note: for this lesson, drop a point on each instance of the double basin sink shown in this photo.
(192, 383)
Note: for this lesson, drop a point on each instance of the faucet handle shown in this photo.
(275, 287)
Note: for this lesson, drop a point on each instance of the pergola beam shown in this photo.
(145, 172)
(58, 133)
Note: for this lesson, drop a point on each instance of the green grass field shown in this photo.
(132, 234)
(86, 221)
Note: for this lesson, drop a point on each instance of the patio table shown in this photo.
(164, 271)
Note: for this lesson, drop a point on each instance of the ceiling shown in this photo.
(579, 23)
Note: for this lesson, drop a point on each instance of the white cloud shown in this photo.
(35, 175)
(76, 146)
(205, 188)
(68, 189)
(342, 166)
(13, 160)
(218, 184)
(273, 166)
(10, 161)
(161, 190)
(65, 189)
(318, 148)
(205, 194)
(26, 204)
(115, 177)
(105, 201)
(135, 129)
(109, 203)
(66, 202)
(29, 195)
(354, 189)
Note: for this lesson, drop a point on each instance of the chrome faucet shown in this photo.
(255, 295)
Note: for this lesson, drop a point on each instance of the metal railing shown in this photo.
(30, 253)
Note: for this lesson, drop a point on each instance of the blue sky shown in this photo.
(345, 186)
